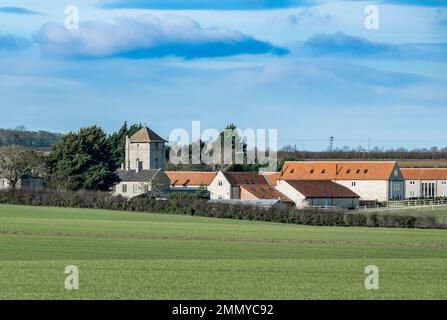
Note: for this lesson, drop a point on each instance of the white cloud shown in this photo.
(147, 36)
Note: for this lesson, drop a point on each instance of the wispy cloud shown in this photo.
(147, 37)
(307, 15)
(18, 10)
(204, 4)
(11, 42)
(343, 45)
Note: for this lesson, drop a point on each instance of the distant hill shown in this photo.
(30, 139)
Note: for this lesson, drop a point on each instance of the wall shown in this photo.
(159, 183)
(347, 203)
(441, 189)
(292, 194)
(224, 192)
(151, 154)
(245, 195)
(368, 189)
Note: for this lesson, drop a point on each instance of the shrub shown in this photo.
(187, 204)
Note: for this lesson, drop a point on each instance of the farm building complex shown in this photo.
(344, 184)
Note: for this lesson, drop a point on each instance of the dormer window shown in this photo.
(366, 171)
(312, 171)
(323, 171)
(348, 171)
(358, 171)
(292, 171)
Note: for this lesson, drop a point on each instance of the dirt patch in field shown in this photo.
(246, 240)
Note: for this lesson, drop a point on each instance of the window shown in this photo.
(358, 171)
(146, 187)
(135, 188)
(396, 172)
(348, 171)
(220, 183)
(220, 197)
(292, 171)
(412, 194)
(312, 171)
(323, 171)
(397, 187)
(353, 183)
(366, 171)
(444, 182)
(412, 183)
(124, 188)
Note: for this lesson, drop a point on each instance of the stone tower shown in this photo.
(145, 150)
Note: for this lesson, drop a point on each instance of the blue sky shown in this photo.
(308, 68)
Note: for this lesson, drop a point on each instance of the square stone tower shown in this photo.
(145, 150)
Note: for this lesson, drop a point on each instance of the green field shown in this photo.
(149, 256)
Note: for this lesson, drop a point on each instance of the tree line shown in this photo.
(82, 160)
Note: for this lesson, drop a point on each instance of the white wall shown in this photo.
(151, 154)
(224, 191)
(414, 190)
(292, 194)
(368, 189)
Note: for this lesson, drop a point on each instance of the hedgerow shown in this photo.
(186, 204)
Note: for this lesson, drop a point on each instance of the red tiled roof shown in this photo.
(337, 170)
(190, 178)
(245, 178)
(322, 189)
(424, 173)
(265, 192)
(272, 177)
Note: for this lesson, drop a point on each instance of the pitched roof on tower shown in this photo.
(146, 135)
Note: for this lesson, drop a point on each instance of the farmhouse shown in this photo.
(371, 180)
(425, 182)
(319, 193)
(143, 171)
(244, 186)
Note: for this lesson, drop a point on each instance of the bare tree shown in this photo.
(17, 162)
